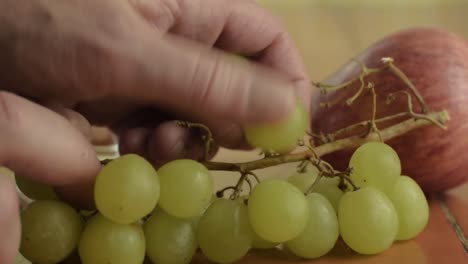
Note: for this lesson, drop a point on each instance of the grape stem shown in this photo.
(365, 71)
(311, 188)
(330, 147)
(236, 190)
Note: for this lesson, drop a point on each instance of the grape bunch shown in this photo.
(166, 215)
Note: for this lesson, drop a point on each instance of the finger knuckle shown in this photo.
(98, 65)
(204, 80)
(161, 13)
(221, 84)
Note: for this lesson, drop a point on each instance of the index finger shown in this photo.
(251, 30)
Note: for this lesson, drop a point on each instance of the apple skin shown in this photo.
(436, 62)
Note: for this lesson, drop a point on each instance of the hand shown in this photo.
(134, 65)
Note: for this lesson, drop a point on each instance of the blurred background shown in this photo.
(328, 33)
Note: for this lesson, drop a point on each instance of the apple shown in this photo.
(436, 62)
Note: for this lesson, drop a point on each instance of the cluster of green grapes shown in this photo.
(385, 207)
(168, 214)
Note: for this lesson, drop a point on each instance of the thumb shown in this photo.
(42, 145)
(189, 78)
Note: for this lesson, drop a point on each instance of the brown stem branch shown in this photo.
(311, 187)
(351, 128)
(365, 71)
(395, 70)
(346, 143)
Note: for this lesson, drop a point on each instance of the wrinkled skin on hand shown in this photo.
(135, 66)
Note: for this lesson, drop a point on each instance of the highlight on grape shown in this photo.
(168, 214)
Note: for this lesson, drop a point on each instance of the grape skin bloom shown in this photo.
(50, 231)
(321, 232)
(127, 189)
(186, 188)
(224, 233)
(169, 240)
(278, 211)
(368, 221)
(104, 241)
(375, 164)
(411, 206)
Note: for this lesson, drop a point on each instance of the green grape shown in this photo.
(7, 172)
(368, 220)
(375, 164)
(329, 188)
(35, 190)
(321, 231)
(278, 211)
(261, 243)
(280, 136)
(126, 189)
(333, 181)
(303, 180)
(50, 231)
(196, 219)
(224, 233)
(186, 188)
(411, 206)
(169, 240)
(104, 241)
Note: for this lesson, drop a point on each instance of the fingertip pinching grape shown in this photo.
(282, 136)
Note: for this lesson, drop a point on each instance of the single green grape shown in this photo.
(169, 240)
(186, 188)
(321, 231)
(303, 180)
(368, 220)
(375, 164)
(224, 233)
(127, 189)
(278, 211)
(281, 136)
(50, 231)
(7, 172)
(329, 188)
(411, 206)
(105, 241)
(260, 243)
(35, 190)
